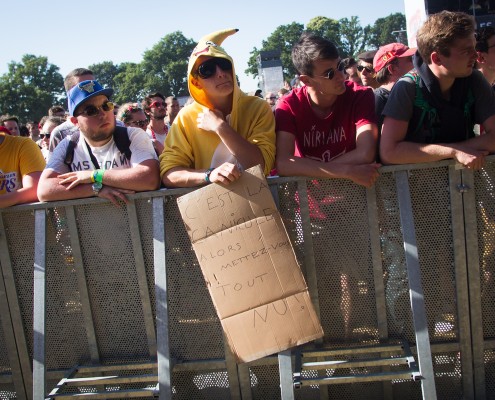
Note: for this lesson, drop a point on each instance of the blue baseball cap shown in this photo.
(84, 91)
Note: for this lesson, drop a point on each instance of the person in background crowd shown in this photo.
(224, 131)
(365, 68)
(172, 110)
(56, 111)
(106, 161)
(271, 99)
(131, 114)
(11, 122)
(351, 70)
(154, 107)
(329, 122)
(68, 128)
(390, 63)
(430, 115)
(23, 131)
(34, 131)
(48, 124)
(485, 46)
(21, 164)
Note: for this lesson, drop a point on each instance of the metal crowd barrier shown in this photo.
(118, 304)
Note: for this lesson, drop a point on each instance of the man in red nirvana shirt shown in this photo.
(327, 128)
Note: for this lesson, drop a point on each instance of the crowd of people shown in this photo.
(340, 118)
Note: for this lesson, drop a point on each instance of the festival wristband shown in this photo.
(93, 177)
(207, 174)
(98, 175)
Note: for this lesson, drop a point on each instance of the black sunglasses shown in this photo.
(141, 123)
(331, 72)
(43, 135)
(368, 69)
(93, 111)
(208, 68)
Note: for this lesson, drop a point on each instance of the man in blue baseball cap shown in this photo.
(103, 159)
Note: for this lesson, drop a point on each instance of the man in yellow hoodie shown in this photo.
(223, 131)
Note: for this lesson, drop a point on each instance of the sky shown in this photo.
(77, 34)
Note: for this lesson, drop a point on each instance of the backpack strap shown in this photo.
(427, 110)
(69, 154)
(120, 136)
(122, 141)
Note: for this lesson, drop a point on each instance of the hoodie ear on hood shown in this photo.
(208, 45)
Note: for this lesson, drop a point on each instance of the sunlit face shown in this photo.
(138, 120)
(220, 84)
(12, 127)
(462, 58)
(367, 74)
(45, 133)
(173, 108)
(158, 108)
(319, 79)
(98, 128)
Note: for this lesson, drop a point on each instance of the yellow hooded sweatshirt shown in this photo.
(188, 146)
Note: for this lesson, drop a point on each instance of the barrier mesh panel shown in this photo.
(19, 227)
(4, 356)
(430, 197)
(343, 261)
(485, 216)
(207, 385)
(144, 210)
(195, 331)
(399, 316)
(489, 361)
(7, 392)
(65, 333)
(112, 283)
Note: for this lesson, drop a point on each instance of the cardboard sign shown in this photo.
(250, 267)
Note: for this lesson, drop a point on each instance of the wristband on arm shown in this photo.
(98, 175)
(207, 174)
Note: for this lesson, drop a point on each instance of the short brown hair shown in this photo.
(441, 30)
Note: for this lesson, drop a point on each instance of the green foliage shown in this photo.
(283, 38)
(381, 32)
(165, 65)
(347, 34)
(129, 83)
(327, 28)
(105, 73)
(30, 88)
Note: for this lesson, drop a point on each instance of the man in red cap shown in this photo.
(390, 63)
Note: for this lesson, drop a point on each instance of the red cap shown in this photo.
(4, 130)
(390, 52)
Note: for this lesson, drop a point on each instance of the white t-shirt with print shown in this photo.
(108, 155)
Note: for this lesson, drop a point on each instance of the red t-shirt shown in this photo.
(323, 139)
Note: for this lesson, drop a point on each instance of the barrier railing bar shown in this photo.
(461, 281)
(285, 371)
(162, 331)
(39, 307)
(474, 280)
(415, 287)
(376, 257)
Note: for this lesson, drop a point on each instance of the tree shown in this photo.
(327, 28)
(30, 88)
(282, 39)
(129, 83)
(382, 31)
(165, 65)
(352, 37)
(105, 73)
